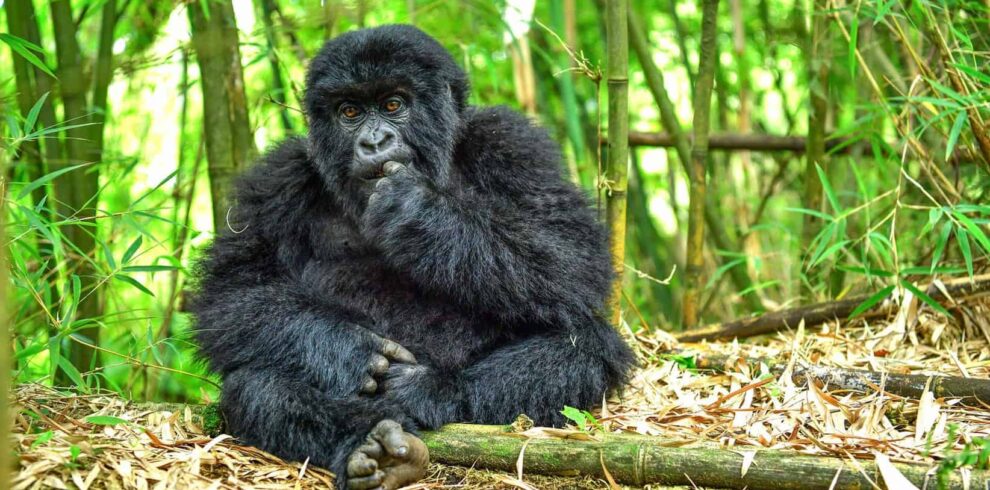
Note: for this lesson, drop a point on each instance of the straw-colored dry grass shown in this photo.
(62, 445)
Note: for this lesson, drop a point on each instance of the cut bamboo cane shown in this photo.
(641, 460)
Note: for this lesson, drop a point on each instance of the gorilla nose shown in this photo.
(376, 141)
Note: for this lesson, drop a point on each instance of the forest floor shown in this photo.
(81, 440)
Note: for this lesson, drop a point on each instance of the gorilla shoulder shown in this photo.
(498, 146)
(279, 189)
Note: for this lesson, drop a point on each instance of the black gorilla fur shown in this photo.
(479, 258)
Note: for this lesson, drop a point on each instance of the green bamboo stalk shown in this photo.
(638, 460)
(229, 142)
(817, 54)
(668, 119)
(5, 369)
(618, 144)
(77, 192)
(694, 277)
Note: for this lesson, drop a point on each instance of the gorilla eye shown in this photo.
(350, 111)
(393, 104)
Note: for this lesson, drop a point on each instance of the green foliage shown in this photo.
(583, 419)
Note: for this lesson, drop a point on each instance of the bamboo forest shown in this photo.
(696, 244)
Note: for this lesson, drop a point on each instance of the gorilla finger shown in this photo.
(359, 464)
(378, 365)
(371, 448)
(397, 352)
(392, 168)
(391, 436)
(369, 387)
(367, 482)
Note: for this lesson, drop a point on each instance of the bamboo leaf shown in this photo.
(829, 191)
(957, 128)
(46, 179)
(133, 282)
(963, 238)
(872, 301)
(24, 48)
(32, 116)
(105, 420)
(974, 230)
(925, 297)
(131, 250)
(943, 239)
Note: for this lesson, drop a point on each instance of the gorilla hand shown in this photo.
(389, 459)
(397, 200)
(386, 352)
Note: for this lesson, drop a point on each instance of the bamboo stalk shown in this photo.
(681, 142)
(816, 51)
(229, 143)
(639, 460)
(820, 313)
(618, 145)
(694, 277)
(905, 385)
(774, 143)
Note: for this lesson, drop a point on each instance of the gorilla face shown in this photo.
(386, 94)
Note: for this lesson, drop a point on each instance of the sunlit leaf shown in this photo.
(872, 301)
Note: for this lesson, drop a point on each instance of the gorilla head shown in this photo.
(390, 93)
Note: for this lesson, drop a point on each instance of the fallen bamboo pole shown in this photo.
(640, 460)
(905, 385)
(771, 143)
(820, 313)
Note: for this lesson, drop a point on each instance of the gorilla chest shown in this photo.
(389, 304)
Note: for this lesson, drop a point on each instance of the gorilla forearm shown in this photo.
(287, 331)
(537, 258)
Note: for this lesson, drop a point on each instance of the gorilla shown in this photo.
(413, 261)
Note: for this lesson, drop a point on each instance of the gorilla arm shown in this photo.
(515, 241)
(512, 238)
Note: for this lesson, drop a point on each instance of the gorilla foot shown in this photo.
(389, 459)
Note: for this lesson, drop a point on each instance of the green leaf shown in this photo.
(957, 128)
(24, 48)
(131, 250)
(872, 301)
(32, 116)
(943, 239)
(105, 420)
(812, 212)
(974, 230)
(830, 251)
(43, 438)
(40, 181)
(963, 238)
(70, 371)
(149, 268)
(575, 415)
(133, 282)
(827, 187)
(30, 350)
(924, 297)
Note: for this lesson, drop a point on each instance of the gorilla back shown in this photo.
(413, 261)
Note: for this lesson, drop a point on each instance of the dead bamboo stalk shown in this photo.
(641, 460)
(905, 385)
(819, 313)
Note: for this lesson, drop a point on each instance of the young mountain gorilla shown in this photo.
(413, 262)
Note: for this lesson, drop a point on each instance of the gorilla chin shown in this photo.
(409, 263)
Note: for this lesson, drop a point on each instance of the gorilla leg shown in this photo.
(281, 414)
(539, 375)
